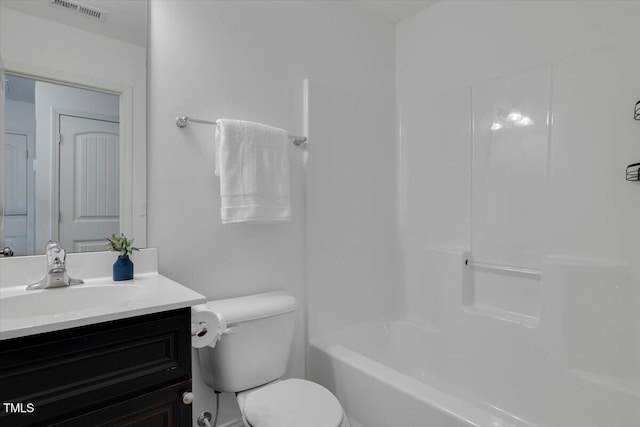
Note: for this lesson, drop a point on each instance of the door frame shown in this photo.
(125, 137)
(55, 157)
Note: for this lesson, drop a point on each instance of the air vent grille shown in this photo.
(80, 9)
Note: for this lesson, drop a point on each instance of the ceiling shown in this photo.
(126, 20)
(395, 10)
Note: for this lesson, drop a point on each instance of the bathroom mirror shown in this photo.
(73, 133)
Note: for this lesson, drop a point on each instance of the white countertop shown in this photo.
(28, 312)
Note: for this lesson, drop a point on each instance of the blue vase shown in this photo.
(123, 269)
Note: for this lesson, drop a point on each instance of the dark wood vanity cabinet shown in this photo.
(129, 372)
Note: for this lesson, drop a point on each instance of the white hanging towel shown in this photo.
(253, 165)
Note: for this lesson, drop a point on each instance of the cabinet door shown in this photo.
(160, 408)
(68, 373)
(73, 371)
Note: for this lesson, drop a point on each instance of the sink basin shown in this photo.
(28, 312)
(62, 301)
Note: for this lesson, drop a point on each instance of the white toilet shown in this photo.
(251, 356)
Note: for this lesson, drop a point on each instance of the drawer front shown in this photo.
(93, 365)
(160, 408)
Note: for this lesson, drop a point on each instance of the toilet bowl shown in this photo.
(249, 358)
(291, 403)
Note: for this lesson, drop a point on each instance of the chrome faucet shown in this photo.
(56, 276)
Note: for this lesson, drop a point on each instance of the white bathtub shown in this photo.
(386, 374)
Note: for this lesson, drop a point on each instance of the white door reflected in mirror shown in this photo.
(108, 57)
(62, 166)
(89, 186)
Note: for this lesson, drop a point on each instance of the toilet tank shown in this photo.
(255, 348)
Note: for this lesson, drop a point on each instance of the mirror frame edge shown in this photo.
(125, 93)
(2, 129)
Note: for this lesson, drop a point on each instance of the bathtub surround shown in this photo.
(479, 182)
(248, 60)
(583, 85)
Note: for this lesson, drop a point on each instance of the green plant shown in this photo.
(121, 244)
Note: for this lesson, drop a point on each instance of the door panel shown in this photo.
(96, 176)
(89, 182)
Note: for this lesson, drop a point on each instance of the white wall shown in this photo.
(551, 196)
(248, 60)
(56, 98)
(20, 116)
(25, 39)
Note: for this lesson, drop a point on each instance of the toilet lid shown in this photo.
(292, 403)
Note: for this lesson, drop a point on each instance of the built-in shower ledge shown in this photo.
(628, 386)
(503, 315)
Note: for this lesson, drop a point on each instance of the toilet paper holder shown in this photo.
(199, 329)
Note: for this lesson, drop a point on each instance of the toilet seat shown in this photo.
(291, 403)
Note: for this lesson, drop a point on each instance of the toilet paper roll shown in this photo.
(204, 319)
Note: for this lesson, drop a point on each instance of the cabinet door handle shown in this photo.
(187, 398)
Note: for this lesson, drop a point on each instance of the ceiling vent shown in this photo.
(81, 9)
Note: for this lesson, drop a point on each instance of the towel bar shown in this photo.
(181, 121)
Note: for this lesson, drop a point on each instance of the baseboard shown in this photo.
(233, 423)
